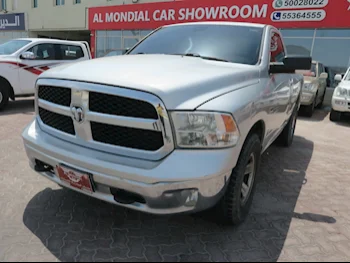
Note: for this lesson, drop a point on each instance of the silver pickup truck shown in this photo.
(175, 125)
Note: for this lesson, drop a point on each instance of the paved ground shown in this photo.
(301, 211)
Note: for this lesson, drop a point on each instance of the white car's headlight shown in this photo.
(205, 129)
(310, 87)
(341, 92)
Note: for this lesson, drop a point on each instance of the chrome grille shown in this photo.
(116, 105)
(57, 121)
(57, 95)
(127, 137)
(107, 118)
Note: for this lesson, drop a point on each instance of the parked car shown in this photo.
(116, 52)
(341, 97)
(314, 89)
(23, 60)
(182, 125)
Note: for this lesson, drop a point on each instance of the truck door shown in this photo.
(46, 56)
(281, 86)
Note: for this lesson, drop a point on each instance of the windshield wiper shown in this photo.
(196, 55)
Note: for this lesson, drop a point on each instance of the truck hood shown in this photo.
(180, 82)
(345, 84)
(2, 57)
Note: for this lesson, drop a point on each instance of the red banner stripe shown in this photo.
(33, 70)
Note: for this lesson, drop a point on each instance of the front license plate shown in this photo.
(76, 179)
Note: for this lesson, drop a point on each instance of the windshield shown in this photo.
(308, 73)
(236, 44)
(12, 46)
(347, 77)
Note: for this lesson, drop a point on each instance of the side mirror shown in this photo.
(125, 51)
(338, 78)
(324, 75)
(290, 64)
(28, 56)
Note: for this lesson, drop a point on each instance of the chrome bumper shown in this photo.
(184, 181)
(340, 104)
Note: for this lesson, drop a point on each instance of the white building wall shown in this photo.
(47, 16)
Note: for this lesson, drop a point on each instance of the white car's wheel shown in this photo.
(335, 115)
(4, 97)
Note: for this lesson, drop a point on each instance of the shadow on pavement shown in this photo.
(345, 120)
(318, 116)
(23, 106)
(74, 227)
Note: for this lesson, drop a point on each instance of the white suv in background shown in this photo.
(341, 97)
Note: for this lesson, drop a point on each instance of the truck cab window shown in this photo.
(43, 52)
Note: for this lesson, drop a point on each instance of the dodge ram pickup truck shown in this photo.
(176, 125)
(22, 60)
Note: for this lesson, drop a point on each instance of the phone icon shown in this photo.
(276, 16)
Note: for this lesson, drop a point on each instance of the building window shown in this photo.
(77, 1)
(59, 2)
(3, 5)
(35, 3)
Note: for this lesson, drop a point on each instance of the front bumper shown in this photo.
(307, 98)
(185, 181)
(341, 104)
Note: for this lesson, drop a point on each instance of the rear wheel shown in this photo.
(235, 205)
(4, 97)
(287, 135)
(335, 115)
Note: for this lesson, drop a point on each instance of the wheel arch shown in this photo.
(259, 129)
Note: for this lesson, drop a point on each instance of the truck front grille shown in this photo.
(121, 106)
(127, 137)
(57, 95)
(57, 121)
(106, 118)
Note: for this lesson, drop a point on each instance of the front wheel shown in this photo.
(320, 105)
(335, 115)
(309, 110)
(235, 205)
(4, 97)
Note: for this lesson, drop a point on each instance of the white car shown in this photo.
(341, 97)
(23, 60)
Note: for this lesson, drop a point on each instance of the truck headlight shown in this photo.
(310, 87)
(205, 130)
(341, 92)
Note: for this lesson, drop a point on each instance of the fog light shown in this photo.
(192, 199)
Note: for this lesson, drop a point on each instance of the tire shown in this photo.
(320, 105)
(234, 207)
(4, 97)
(335, 116)
(310, 109)
(286, 137)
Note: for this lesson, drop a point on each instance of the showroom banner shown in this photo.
(280, 13)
